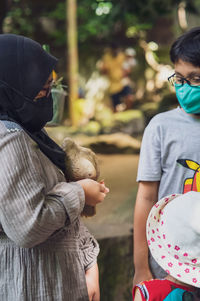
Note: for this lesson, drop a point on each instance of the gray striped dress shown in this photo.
(45, 248)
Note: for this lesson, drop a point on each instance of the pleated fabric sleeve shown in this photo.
(29, 213)
(89, 247)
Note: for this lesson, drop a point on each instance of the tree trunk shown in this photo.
(72, 55)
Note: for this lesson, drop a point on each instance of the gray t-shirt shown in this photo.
(170, 152)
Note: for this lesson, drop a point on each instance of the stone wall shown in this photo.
(116, 268)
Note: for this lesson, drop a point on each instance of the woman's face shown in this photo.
(46, 90)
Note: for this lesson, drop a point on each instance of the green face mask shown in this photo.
(188, 97)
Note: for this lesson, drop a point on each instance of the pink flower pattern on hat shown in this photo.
(174, 258)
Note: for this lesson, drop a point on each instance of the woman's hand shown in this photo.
(92, 281)
(95, 192)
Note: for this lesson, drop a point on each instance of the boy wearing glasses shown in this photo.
(170, 153)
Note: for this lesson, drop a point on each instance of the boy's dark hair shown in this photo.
(187, 48)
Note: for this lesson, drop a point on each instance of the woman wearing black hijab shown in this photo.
(45, 251)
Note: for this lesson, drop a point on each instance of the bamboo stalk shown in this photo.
(72, 55)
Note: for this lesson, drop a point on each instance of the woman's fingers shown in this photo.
(103, 188)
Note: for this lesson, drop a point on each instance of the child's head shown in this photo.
(187, 48)
(185, 54)
(173, 234)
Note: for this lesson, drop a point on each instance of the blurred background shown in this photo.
(111, 79)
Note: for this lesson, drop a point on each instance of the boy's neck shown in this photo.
(193, 115)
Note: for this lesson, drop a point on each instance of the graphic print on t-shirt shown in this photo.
(191, 184)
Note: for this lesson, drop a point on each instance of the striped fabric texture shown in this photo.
(44, 246)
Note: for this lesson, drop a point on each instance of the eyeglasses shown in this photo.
(50, 85)
(46, 90)
(176, 79)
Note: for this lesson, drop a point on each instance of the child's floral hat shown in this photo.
(173, 235)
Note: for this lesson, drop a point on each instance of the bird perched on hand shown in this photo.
(81, 163)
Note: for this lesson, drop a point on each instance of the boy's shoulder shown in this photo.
(175, 118)
(163, 120)
(162, 117)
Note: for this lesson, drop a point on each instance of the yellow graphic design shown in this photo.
(191, 184)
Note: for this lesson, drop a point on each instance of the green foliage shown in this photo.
(19, 19)
(104, 19)
(100, 20)
(59, 37)
(193, 6)
(59, 12)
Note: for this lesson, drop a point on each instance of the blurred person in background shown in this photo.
(116, 65)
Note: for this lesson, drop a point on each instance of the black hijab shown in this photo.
(24, 70)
